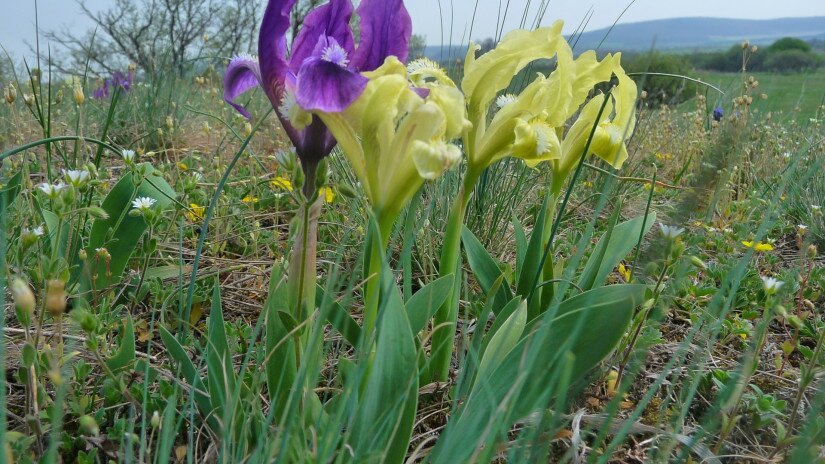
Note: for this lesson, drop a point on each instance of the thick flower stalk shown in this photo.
(396, 136)
(530, 126)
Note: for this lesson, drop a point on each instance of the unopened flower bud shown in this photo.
(56, 297)
(10, 94)
(23, 296)
(247, 129)
(170, 123)
(79, 97)
(88, 425)
(698, 262)
(745, 45)
(29, 99)
(82, 255)
(795, 322)
(59, 97)
(155, 421)
(812, 251)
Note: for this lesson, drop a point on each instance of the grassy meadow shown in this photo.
(790, 96)
(670, 310)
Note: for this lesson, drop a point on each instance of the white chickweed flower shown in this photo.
(37, 231)
(671, 232)
(143, 204)
(771, 285)
(128, 155)
(51, 190)
(76, 177)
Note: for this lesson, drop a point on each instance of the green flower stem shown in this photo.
(444, 324)
(548, 273)
(302, 265)
(372, 287)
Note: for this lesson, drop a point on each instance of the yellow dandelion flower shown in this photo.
(282, 182)
(196, 212)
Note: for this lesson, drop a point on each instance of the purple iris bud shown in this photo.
(322, 72)
(718, 113)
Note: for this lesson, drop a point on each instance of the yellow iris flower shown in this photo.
(531, 125)
(395, 138)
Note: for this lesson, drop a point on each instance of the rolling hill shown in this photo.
(683, 34)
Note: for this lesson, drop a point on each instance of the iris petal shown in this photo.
(328, 20)
(242, 74)
(386, 29)
(272, 48)
(325, 86)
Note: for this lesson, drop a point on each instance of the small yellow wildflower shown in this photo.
(759, 246)
(196, 212)
(282, 182)
(183, 166)
(625, 272)
(328, 193)
(250, 199)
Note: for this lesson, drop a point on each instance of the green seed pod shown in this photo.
(698, 262)
(88, 425)
(23, 296)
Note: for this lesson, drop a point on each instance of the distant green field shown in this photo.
(785, 91)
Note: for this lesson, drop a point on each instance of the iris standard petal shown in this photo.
(272, 48)
(242, 74)
(386, 29)
(331, 20)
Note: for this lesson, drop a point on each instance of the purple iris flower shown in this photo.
(321, 70)
(122, 80)
(101, 92)
(718, 114)
(118, 80)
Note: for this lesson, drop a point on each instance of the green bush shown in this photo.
(789, 43)
(792, 60)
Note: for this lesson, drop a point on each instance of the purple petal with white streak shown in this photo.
(325, 86)
(329, 20)
(242, 74)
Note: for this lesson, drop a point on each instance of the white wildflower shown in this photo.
(671, 232)
(771, 285)
(143, 204)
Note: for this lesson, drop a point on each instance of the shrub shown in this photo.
(792, 60)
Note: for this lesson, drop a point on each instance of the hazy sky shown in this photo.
(17, 19)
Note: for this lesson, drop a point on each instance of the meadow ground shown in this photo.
(796, 95)
(164, 351)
